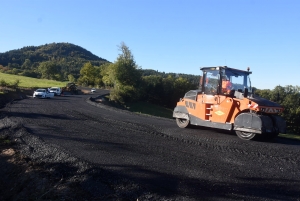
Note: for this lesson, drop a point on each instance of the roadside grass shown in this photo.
(290, 136)
(150, 109)
(28, 82)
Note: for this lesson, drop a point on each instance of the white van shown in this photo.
(55, 90)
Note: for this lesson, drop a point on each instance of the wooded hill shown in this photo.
(68, 58)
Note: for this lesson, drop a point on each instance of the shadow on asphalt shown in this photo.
(283, 140)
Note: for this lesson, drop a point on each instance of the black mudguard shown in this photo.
(279, 123)
(253, 123)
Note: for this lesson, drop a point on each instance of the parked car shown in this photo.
(42, 93)
(55, 90)
(93, 90)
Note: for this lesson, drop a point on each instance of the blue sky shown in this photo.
(178, 36)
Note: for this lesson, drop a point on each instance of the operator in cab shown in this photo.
(226, 85)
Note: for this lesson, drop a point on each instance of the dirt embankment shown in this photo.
(11, 95)
(25, 179)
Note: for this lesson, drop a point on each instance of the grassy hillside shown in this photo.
(27, 82)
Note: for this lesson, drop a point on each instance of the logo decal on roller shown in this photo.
(219, 113)
(270, 110)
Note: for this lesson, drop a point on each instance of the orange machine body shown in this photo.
(235, 108)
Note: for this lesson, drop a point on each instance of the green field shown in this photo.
(290, 136)
(28, 82)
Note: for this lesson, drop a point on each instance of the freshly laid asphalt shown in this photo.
(151, 158)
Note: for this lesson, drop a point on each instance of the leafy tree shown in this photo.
(48, 70)
(98, 77)
(107, 74)
(13, 71)
(265, 93)
(29, 73)
(124, 94)
(168, 87)
(15, 84)
(165, 91)
(59, 77)
(181, 86)
(3, 83)
(153, 89)
(289, 98)
(71, 78)
(13, 65)
(27, 64)
(126, 77)
(126, 70)
(87, 75)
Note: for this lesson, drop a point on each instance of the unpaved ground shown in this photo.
(23, 179)
(70, 148)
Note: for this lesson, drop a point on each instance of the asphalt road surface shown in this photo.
(150, 157)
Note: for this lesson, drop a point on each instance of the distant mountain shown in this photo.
(68, 57)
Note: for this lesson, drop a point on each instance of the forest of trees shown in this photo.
(125, 79)
(289, 98)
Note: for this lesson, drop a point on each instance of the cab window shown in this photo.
(211, 82)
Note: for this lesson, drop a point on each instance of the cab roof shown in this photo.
(227, 68)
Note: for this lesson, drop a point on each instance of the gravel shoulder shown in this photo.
(70, 148)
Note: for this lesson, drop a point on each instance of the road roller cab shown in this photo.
(225, 100)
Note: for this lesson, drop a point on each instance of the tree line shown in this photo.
(128, 82)
(289, 98)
